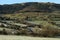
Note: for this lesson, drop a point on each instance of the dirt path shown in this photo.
(4, 37)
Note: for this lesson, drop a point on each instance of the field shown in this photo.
(10, 37)
(30, 24)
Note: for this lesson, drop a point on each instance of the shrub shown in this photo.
(4, 32)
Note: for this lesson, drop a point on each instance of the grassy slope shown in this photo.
(36, 17)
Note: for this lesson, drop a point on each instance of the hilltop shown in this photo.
(29, 7)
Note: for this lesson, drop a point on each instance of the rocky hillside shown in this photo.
(29, 7)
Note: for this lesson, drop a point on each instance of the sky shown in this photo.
(22, 1)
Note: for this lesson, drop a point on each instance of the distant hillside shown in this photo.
(29, 7)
